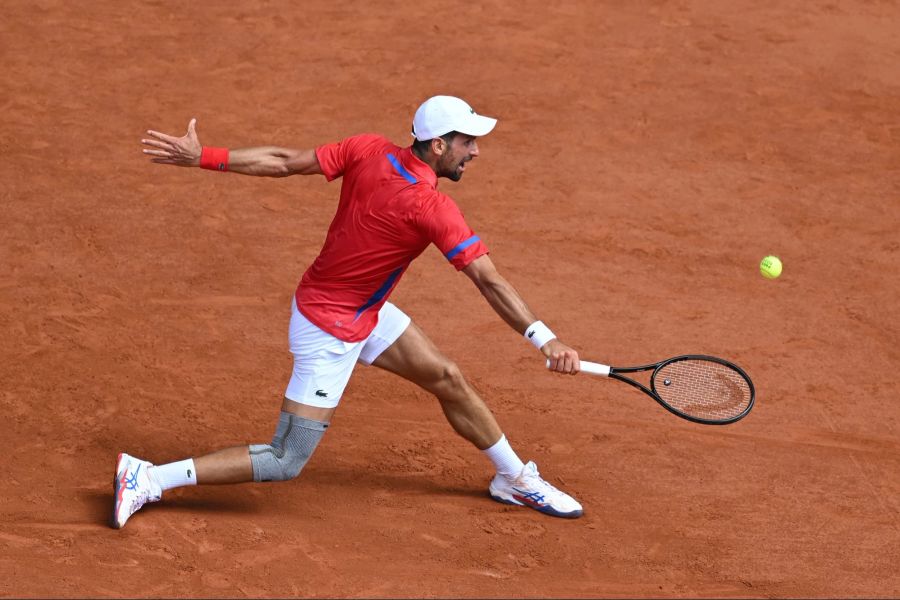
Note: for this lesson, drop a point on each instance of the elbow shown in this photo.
(275, 167)
(281, 170)
(280, 163)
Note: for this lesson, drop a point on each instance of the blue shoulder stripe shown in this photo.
(462, 246)
(399, 168)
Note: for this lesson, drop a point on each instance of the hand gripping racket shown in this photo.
(702, 389)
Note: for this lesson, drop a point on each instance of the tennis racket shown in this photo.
(702, 389)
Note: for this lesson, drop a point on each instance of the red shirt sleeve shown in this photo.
(337, 157)
(443, 223)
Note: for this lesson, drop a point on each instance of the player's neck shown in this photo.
(428, 158)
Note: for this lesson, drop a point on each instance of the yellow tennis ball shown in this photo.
(770, 267)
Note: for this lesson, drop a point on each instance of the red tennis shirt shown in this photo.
(389, 212)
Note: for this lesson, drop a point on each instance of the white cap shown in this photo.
(442, 114)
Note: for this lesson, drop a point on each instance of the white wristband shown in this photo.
(539, 334)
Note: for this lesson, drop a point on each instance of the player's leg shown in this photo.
(413, 356)
(298, 432)
(322, 368)
(236, 464)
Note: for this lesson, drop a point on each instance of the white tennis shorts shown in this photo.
(323, 364)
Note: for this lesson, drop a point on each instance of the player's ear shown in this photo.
(438, 145)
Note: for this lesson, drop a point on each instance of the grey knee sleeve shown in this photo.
(295, 440)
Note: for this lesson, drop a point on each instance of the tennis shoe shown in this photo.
(133, 488)
(529, 489)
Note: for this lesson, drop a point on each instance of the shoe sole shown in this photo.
(547, 510)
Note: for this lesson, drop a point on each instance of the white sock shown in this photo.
(504, 458)
(176, 474)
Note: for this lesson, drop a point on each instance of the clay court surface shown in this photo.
(648, 155)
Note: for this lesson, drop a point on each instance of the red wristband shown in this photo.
(215, 159)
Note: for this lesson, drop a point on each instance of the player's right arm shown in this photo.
(262, 161)
(444, 225)
(510, 306)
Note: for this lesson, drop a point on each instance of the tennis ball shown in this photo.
(770, 267)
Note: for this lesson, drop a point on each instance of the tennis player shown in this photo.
(389, 212)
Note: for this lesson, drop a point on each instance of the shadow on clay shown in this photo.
(336, 475)
(100, 504)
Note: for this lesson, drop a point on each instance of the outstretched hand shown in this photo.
(168, 150)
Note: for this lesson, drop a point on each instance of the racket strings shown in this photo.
(703, 389)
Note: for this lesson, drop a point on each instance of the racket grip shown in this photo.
(592, 368)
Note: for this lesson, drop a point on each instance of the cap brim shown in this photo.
(477, 126)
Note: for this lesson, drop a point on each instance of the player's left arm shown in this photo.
(510, 306)
(260, 161)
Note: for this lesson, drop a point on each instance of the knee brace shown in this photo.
(295, 440)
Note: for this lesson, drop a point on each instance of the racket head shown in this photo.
(703, 389)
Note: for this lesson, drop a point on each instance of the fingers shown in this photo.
(567, 363)
(170, 150)
(162, 136)
(156, 144)
(562, 359)
(164, 153)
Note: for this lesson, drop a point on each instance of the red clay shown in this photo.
(648, 156)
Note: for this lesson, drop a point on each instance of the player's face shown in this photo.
(457, 153)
